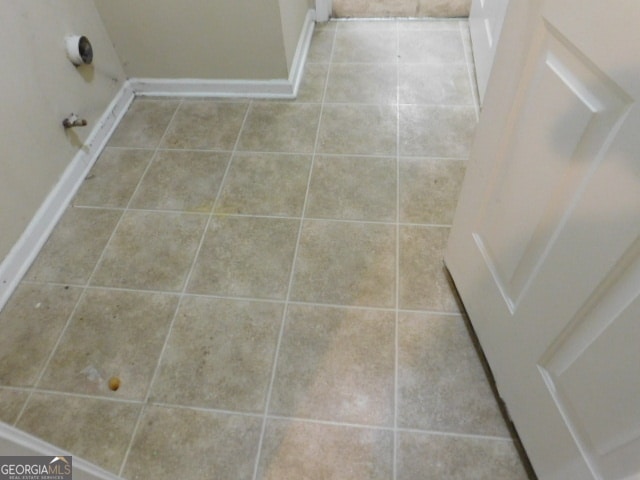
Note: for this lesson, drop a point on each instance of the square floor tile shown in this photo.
(430, 46)
(265, 184)
(353, 188)
(435, 84)
(336, 364)
(362, 83)
(25, 343)
(280, 127)
(313, 83)
(220, 355)
(457, 458)
(144, 123)
(424, 284)
(429, 190)
(206, 124)
(346, 264)
(322, 43)
(96, 430)
(374, 9)
(182, 180)
(74, 247)
(151, 251)
(441, 383)
(112, 334)
(366, 42)
(325, 452)
(246, 257)
(11, 402)
(193, 445)
(358, 129)
(113, 178)
(433, 131)
(435, 24)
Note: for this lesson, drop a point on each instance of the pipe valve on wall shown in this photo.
(73, 121)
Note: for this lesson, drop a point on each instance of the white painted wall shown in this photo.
(205, 39)
(38, 88)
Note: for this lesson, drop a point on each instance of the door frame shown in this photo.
(323, 10)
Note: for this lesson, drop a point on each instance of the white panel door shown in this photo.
(485, 24)
(545, 246)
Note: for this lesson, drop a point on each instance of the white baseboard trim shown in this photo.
(20, 257)
(302, 49)
(269, 89)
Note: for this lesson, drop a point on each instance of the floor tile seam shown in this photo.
(391, 429)
(16, 388)
(196, 408)
(276, 354)
(430, 312)
(470, 71)
(425, 225)
(435, 64)
(349, 154)
(332, 423)
(271, 217)
(359, 104)
(86, 396)
(195, 150)
(439, 106)
(432, 159)
(144, 210)
(352, 104)
(409, 156)
(337, 306)
(442, 433)
(221, 296)
(393, 63)
(375, 156)
(120, 147)
(397, 269)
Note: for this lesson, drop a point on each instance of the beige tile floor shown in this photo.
(400, 8)
(266, 279)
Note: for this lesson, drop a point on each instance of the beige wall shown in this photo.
(212, 39)
(38, 88)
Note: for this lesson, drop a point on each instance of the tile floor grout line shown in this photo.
(86, 396)
(426, 311)
(292, 273)
(181, 294)
(397, 266)
(468, 55)
(455, 434)
(82, 294)
(266, 216)
(320, 154)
